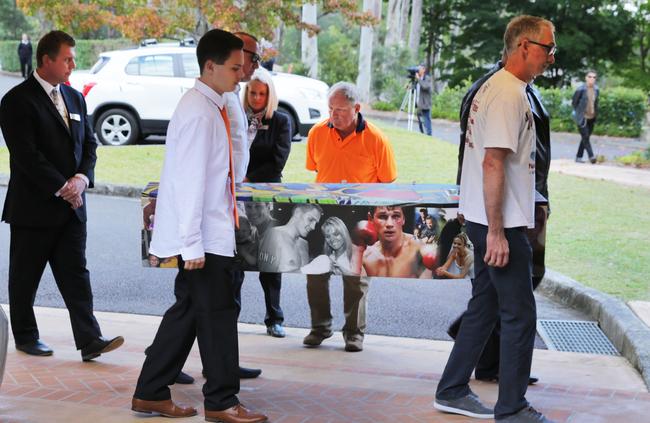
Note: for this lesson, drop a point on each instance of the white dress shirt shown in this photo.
(194, 210)
(48, 90)
(239, 133)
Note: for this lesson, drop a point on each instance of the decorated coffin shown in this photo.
(389, 230)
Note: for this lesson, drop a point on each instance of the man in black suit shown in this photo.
(52, 160)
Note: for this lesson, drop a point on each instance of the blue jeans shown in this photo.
(425, 117)
(498, 293)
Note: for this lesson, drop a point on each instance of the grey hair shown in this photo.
(348, 89)
(523, 26)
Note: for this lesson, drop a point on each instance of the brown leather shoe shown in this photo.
(165, 408)
(235, 414)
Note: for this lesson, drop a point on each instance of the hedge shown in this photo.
(87, 52)
(621, 112)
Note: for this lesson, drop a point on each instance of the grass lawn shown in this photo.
(598, 234)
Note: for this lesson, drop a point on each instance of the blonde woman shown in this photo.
(269, 133)
(268, 129)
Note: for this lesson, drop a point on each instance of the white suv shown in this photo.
(132, 93)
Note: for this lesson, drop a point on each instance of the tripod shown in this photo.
(410, 100)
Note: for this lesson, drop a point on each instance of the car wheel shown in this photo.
(292, 119)
(116, 127)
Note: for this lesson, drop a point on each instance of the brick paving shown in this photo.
(298, 385)
(111, 386)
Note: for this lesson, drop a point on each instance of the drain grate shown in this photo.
(575, 336)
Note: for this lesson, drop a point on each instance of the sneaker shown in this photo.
(353, 343)
(526, 415)
(276, 330)
(579, 160)
(314, 338)
(469, 406)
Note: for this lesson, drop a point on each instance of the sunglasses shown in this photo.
(255, 58)
(550, 48)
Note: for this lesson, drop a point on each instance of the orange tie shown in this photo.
(231, 173)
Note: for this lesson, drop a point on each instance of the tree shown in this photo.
(365, 50)
(589, 33)
(440, 20)
(416, 27)
(12, 21)
(309, 40)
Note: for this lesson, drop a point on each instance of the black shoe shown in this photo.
(593, 160)
(100, 346)
(244, 373)
(276, 330)
(184, 379)
(495, 379)
(35, 348)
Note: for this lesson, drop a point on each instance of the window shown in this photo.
(157, 65)
(103, 60)
(191, 66)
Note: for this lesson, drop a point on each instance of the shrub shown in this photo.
(384, 105)
(87, 52)
(621, 110)
(446, 104)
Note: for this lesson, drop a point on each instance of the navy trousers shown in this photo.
(499, 294)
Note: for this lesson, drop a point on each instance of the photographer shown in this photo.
(423, 79)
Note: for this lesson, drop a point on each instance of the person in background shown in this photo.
(423, 79)
(585, 111)
(25, 56)
(345, 148)
(270, 131)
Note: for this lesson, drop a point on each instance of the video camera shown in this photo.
(412, 71)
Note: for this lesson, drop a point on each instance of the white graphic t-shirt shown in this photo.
(500, 117)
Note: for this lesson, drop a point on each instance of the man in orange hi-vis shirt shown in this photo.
(345, 149)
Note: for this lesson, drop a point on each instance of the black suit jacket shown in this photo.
(44, 153)
(270, 150)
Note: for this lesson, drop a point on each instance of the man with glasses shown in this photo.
(585, 109)
(497, 199)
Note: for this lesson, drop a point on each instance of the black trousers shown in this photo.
(205, 308)
(64, 248)
(504, 294)
(271, 285)
(585, 133)
(26, 67)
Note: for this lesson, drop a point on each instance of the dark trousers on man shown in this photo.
(355, 291)
(503, 294)
(26, 67)
(64, 247)
(271, 285)
(488, 365)
(205, 308)
(585, 144)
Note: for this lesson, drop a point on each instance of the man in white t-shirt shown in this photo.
(497, 199)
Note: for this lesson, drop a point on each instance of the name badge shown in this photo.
(263, 128)
(75, 116)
